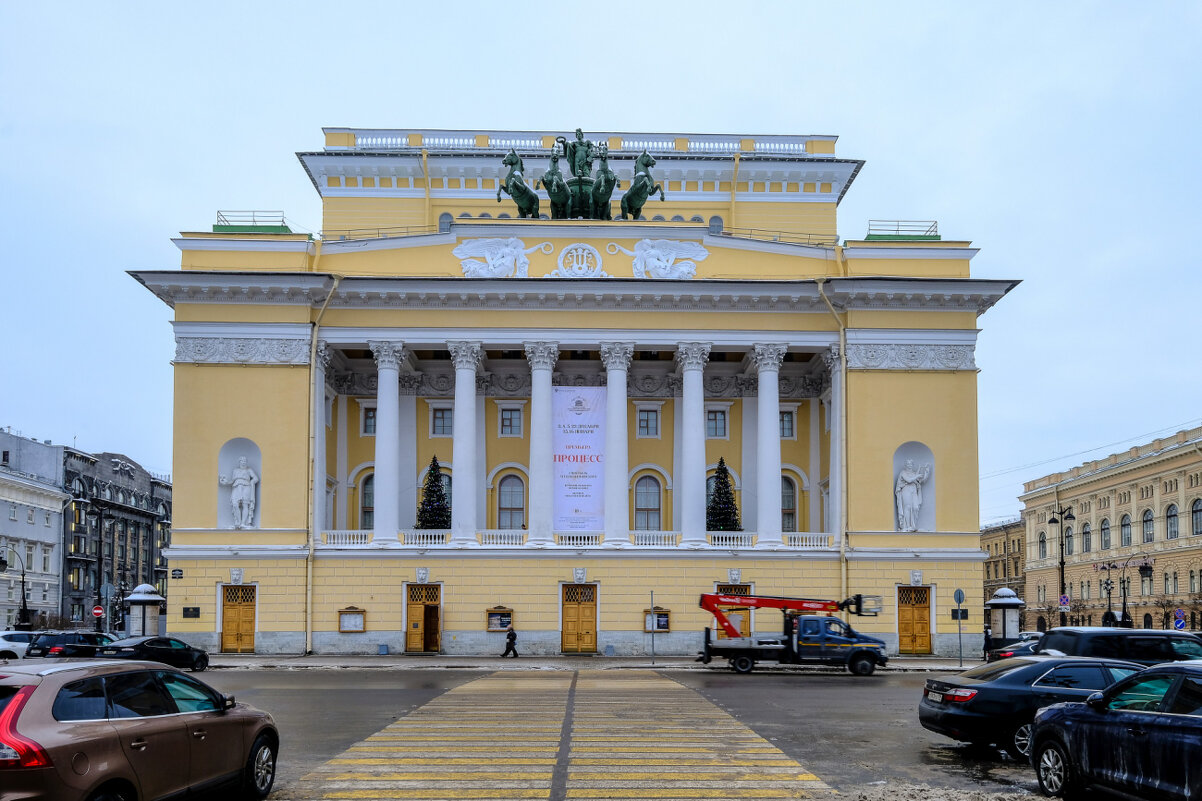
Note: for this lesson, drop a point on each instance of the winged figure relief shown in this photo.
(496, 258)
(663, 258)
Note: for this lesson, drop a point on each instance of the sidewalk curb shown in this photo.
(553, 664)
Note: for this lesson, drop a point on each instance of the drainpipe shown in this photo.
(841, 411)
(314, 411)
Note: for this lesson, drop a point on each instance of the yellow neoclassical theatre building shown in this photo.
(579, 356)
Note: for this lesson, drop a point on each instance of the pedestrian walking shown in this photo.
(988, 642)
(511, 637)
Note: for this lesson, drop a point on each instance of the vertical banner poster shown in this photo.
(578, 444)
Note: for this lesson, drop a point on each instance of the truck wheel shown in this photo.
(742, 664)
(861, 665)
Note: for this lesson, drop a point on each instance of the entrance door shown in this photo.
(914, 620)
(579, 618)
(739, 616)
(238, 619)
(422, 613)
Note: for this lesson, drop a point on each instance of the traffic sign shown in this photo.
(97, 611)
(1179, 624)
(959, 596)
(1063, 601)
(1179, 614)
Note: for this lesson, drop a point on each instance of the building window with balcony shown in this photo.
(511, 503)
(788, 504)
(367, 504)
(1149, 526)
(1171, 531)
(1068, 542)
(1125, 531)
(1086, 539)
(1043, 545)
(646, 504)
(1105, 534)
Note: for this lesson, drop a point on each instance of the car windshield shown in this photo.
(995, 670)
(1187, 649)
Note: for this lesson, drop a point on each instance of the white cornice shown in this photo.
(910, 253)
(263, 288)
(903, 555)
(911, 336)
(255, 330)
(497, 338)
(333, 246)
(241, 244)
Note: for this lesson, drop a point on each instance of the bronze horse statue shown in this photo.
(515, 186)
(641, 188)
(557, 189)
(603, 186)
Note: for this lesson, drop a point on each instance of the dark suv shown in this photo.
(1145, 646)
(61, 644)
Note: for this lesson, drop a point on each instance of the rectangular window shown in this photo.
(511, 422)
(47, 518)
(442, 422)
(786, 425)
(46, 551)
(715, 423)
(648, 422)
(369, 422)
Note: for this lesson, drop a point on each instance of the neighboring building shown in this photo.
(135, 508)
(1132, 510)
(31, 524)
(1003, 545)
(579, 380)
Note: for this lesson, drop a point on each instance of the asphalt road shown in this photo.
(853, 732)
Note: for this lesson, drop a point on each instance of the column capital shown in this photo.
(410, 382)
(617, 355)
(465, 355)
(324, 355)
(768, 356)
(388, 353)
(542, 355)
(830, 357)
(693, 355)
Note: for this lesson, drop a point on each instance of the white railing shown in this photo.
(731, 539)
(795, 540)
(503, 537)
(579, 539)
(424, 538)
(350, 537)
(654, 539)
(517, 143)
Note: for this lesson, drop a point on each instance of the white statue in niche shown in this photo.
(244, 481)
(908, 492)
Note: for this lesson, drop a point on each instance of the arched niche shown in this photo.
(913, 488)
(232, 478)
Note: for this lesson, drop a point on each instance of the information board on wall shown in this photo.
(578, 444)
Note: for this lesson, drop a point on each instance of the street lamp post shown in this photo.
(23, 624)
(1061, 516)
(1145, 572)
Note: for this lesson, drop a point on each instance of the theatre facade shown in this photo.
(579, 328)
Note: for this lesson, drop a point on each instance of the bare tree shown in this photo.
(1166, 605)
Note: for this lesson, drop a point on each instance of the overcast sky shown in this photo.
(1061, 138)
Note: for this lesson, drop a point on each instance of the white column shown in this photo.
(768, 358)
(387, 467)
(835, 486)
(542, 357)
(616, 357)
(481, 451)
(320, 468)
(815, 522)
(407, 490)
(340, 491)
(465, 474)
(692, 356)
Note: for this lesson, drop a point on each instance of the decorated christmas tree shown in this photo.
(721, 513)
(434, 511)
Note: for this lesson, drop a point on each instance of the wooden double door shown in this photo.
(579, 632)
(238, 618)
(423, 615)
(914, 620)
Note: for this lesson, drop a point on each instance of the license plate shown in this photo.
(108, 652)
(934, 697)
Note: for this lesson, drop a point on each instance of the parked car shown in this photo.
(1021, 648)
(167, 650)
(1145, 646)
(14, 643)
(1030, 635)
(1141, 737)
(122, 731)
(63, 644)
(994, 704)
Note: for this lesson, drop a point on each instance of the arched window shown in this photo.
(511, 503)
(646, 504)
(1125, 531)
(446, 488)
(716, 225)
(710, 483)
(1149, 526)
(367, 503)
(788, 505)
(1195, 511)
(1147, 621)
(1170, 522)
(1105, 534)
(444, 223)
(1086, 538)
(1043, 545)
(1041, 624)
(1068, 541)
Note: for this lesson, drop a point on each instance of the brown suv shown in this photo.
(126, 731)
